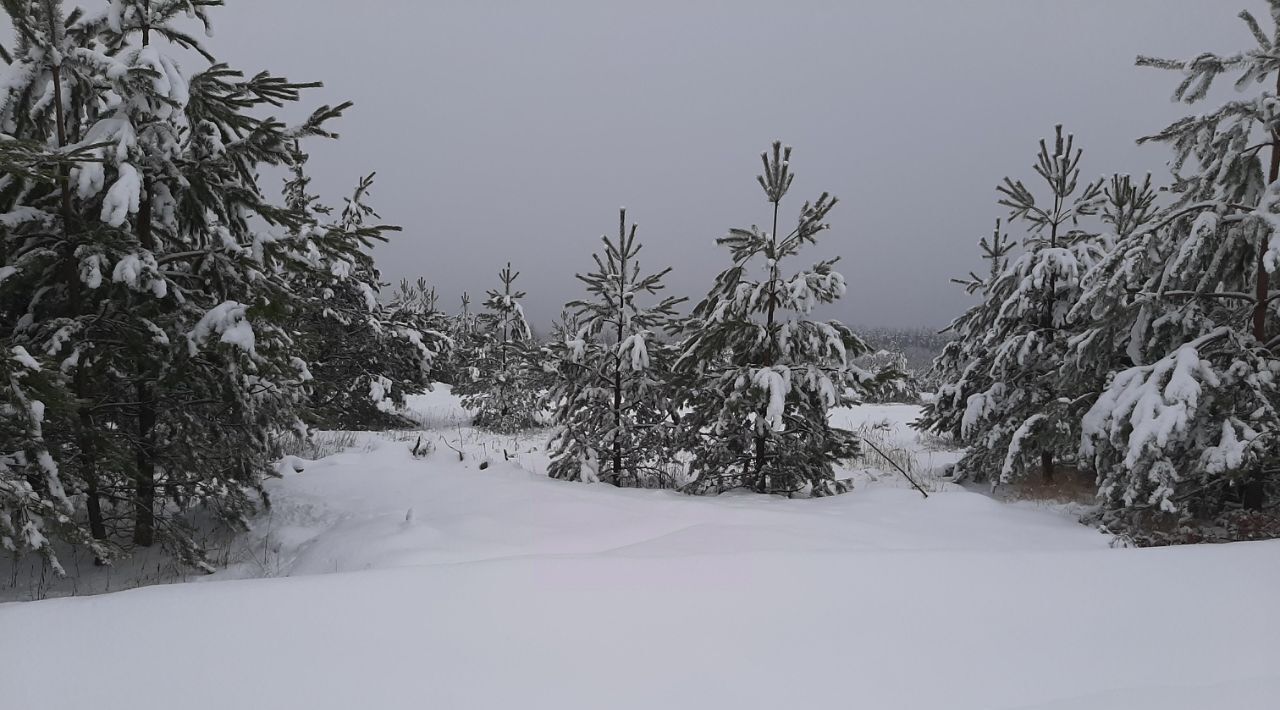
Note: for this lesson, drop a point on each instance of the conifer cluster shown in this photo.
(166, 321)
(1134, 337)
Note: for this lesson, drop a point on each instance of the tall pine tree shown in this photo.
(611, 399)
(964, 366)
(1190, 430)
(760, 376)
(1024, 419)
(363, 356)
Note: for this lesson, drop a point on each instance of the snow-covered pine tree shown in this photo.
(895, 383)
(143, 135)
(465, 322)
(363, 357)
(551, 356)
(1191, 431)
(497, 389)
(1112, 312)
(756, 373)
(233, 380)
(963, 368)
(454, 365)
(611, 399)
(36, 404)
(417, 306)
(37, 497)
(1028, 417)
(48, 96)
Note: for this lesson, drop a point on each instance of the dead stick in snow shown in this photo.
(895, 465)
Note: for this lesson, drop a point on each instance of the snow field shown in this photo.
(429, 582)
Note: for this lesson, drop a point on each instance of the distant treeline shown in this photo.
(918, 345)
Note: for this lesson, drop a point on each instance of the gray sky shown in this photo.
(514, 130)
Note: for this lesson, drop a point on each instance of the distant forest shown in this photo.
(918, 345)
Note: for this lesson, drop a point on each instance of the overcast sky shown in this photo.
(514, 130)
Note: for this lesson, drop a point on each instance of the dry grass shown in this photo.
(1069, 485)
(320, 444)
(884, 450)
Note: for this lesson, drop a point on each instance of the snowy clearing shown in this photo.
(431, 583)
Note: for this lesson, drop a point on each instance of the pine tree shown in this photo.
(610, 401)
(1189, 431)
(456, 365)
(48, 98)
(964, 366)
(363, 357)
(37, 497)
(417, 305)
(466, 320)
(1111, 312)
(176, 182)
(757, 374)
(498, 390)
(894, 381)
(1028, 415)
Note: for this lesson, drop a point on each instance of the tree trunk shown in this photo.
(1046, 466)
(89, 462)
(1046, 455)
(84, 419)
(144, 498)
(617, 353)
(144, 501)
(1253, 492)
(1264, 279)
(506, 340)
(762, 479)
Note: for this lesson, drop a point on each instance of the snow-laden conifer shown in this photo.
(416, 306)
(50, 95)
(1191, 428)
(453, 367)
(497, 387)
(1018, 414)
(963, 368)
(363, 356)
(756, 372)
(611, 397)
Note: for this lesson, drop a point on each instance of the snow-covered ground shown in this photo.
(433, 582)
